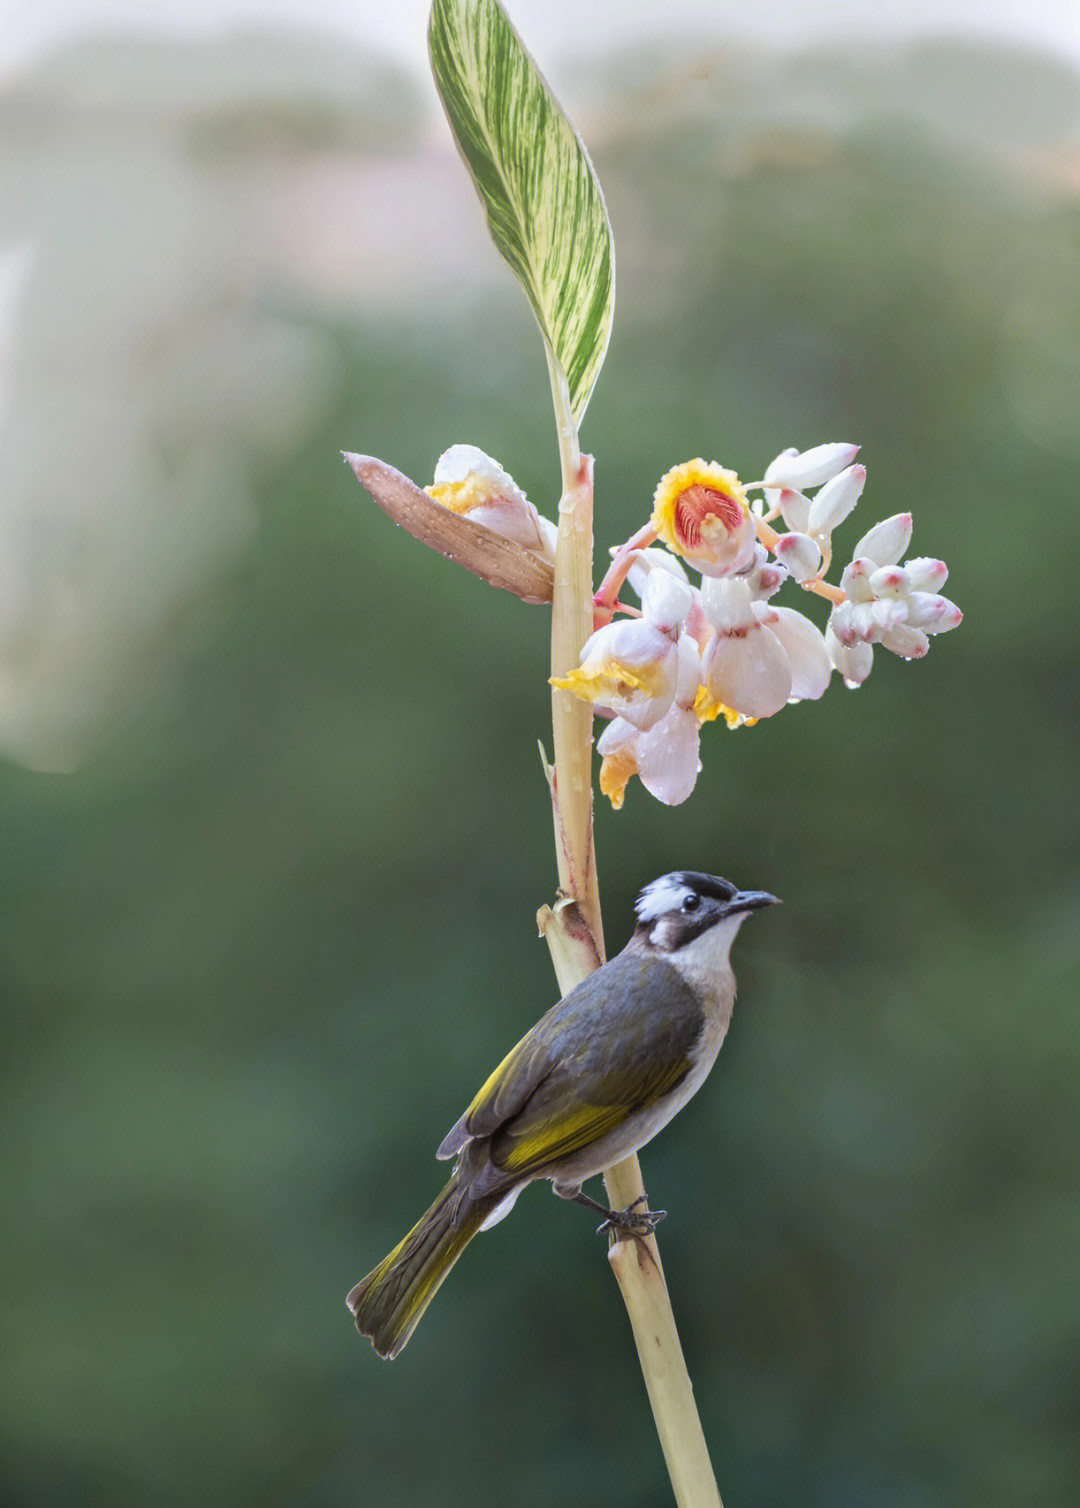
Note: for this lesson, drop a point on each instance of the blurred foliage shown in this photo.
(261, 947)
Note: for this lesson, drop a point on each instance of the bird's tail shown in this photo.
(388, 1303)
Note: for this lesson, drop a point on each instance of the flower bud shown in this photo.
(855, 582)
(890, 581)
(926, 574)
(835, 501)
(854, 663)
(886, 542)
(794, 509)
(887, 612)
(933, 614)
(841, 624)
(810, 468)
(800, 554)
(769, 580)
(864, 622)
(907, 642)
(763, 578)
(776, 466)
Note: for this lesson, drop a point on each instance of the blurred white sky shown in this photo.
(552, 28)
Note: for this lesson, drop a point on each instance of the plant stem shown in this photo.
(574, 935)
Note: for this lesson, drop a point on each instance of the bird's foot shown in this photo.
(628, 1222)
(631, 1221)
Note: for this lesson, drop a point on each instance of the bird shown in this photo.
(596, 1078)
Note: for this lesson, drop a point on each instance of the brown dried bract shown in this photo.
(498, 561)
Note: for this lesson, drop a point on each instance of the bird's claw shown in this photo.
(628, 1223)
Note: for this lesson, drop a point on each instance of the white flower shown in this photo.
(886, 542)
(628, 668)
(470, 483)
(700, 511)
(666, 756)
(800, 554)
(631, 668)
(746, 667)
(762, 577)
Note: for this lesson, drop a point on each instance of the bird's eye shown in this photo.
(692, 902)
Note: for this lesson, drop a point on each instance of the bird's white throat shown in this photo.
(705, 963)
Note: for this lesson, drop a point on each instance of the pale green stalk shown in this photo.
(574, 935)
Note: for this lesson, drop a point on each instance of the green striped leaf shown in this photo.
(543, 202)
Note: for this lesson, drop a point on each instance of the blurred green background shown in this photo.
(264, 939)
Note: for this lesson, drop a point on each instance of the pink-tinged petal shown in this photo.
(800, 554)
(854, 663)
(835, 501)
(513, 519)
(933, 614)
(747, 669)
(890, 581)
(943, 616)
(808, 655)
(768, 581)
(907, 642)
(864, 622)
(810, 468)
(724, 554)
(887, 541)
(668, 756)
(927, 574)
(840, 624)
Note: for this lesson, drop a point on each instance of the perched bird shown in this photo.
(595, 1079)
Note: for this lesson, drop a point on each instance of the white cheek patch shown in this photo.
(664, 934)
(662, 896)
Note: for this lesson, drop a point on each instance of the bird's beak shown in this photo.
(750, 900)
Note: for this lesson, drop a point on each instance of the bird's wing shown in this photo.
(620, 1040)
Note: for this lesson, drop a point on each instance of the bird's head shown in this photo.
(687, 912)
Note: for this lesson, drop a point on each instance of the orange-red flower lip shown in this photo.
(697, 504)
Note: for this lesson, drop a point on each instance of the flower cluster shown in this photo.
(721, 648)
